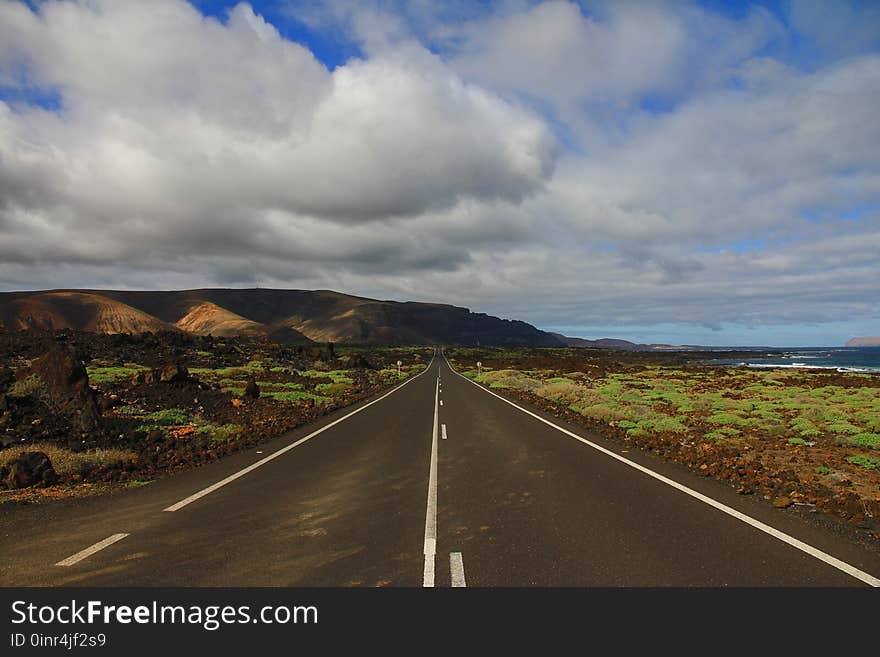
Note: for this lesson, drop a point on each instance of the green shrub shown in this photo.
(866, 439)
(605, 413)
(221, 432)
(511, 379)
(389, 374)
(99, 375)
(728, 419)
(336, 376)
(294, 396)
(28, 387)
(843, 428)
(569, 393)
(668, 425)
(870, 420)
(868, 462)
(332, 389)
(722, 433)
(168, 417)
(766, 411)
(804, 427)
(127, 410)
(611, 390)
(148, 428)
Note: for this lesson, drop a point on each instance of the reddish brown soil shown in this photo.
(29, 420)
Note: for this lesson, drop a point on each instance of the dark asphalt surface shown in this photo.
(523, 503)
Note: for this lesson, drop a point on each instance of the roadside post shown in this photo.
(398, 368)
(479, 368)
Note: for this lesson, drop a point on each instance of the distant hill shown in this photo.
(601, 343)
(286, 315)
(865, 341)
(86, 311)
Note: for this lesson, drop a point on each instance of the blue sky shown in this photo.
(657, 171)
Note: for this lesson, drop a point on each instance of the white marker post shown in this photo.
(479, 368)
(398, 368)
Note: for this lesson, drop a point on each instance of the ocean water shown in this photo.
(844, 359)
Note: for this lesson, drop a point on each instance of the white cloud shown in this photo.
(736, 164)
(168, 115)
(552, 51)
(593, 70)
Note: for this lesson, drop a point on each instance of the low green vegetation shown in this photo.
(699, 402)
(294, 396)
(866, 439)
(128, 410)
(158, 420)
(333, 389)
(867, 462)
(336, 376)
(320, 386)
(168, 417)
(26, 387)
(286, 385)
(66, 461)
(99, 375)
(221, 432)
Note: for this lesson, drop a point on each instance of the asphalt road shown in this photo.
(438, 482)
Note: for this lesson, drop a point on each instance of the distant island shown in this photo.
(864, 341)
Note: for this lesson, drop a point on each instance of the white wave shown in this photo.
(793, 366)
(804, 366)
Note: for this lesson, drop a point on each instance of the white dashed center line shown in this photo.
(456, 566)
(89, 551)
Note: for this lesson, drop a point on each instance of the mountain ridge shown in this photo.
(286, 315)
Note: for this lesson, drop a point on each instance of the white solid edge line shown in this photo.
(89, 551)
(443, 431)
(431, 511)
(456, 565)
(210, 489)
(842, 566)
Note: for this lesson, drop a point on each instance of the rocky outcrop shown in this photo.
(251, 390)
(173, 373)
(357, 361)
(28, 469)
(165, 374)
(64, 386)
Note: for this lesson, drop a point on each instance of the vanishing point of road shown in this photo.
(437, 482)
